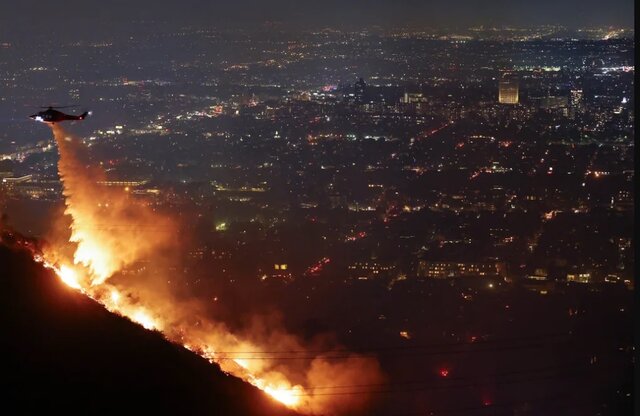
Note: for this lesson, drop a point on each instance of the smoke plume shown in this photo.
(111, 230)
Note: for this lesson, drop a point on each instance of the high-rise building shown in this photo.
(508, 91)
(576, 98)
(553, 102)
(576, 101)
(413, 97)
(360, 90)
(413, 102)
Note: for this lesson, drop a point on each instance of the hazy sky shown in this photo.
(34, 14)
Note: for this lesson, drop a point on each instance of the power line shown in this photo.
(482, 377)
(477, 381)
(436, 387)
(429, 384)
(376, 354)
(406, 347)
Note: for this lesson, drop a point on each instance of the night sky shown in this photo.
(39, 14)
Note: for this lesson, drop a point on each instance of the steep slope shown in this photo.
(61, 351)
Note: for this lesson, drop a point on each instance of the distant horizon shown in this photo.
(572, 14)
(102, 29)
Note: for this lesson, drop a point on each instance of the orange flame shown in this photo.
(69, 277)
(112, 231)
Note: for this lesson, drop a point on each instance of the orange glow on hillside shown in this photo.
(111, 230)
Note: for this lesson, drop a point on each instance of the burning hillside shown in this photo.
(62, 353)
(111, 230)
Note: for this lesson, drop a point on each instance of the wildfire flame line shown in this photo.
(284, 392)
(102, 251)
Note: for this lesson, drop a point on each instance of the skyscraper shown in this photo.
(576, 98)
(576, 101)
(508, 91)
(360, 89)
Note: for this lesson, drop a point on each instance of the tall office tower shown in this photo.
(576, 101)
(360, 90)
(576, 98)
(508, 91)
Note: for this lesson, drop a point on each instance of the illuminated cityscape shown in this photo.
(455, 204)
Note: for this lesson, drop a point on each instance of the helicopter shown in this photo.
(52, 115)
